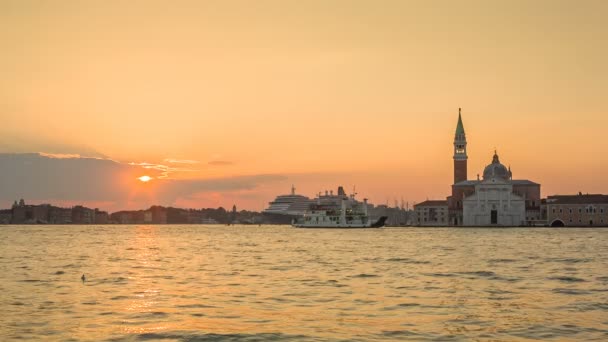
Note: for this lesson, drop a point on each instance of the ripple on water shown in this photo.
(570, 291)
(484, 274)
(149, 315)
(195, 306)
(498, 261)
(408, 261)
(188, 336)
(566, 279)
(586, 306)
(543, 332)
(365, 275)
(440, 275)
(570, 260)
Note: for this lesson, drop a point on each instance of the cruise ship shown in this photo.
(285, 208)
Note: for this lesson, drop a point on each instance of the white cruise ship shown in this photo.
(285, 208)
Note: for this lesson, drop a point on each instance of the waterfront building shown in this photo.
(493, 200)
(83, 215)
(195, 216)
(101, 217)
(431, 213)
(60, 215)
(29, 214)
(148, 216)
(6, 216)
(159, 214)
(577, 210)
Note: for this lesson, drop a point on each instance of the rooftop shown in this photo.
(432, 203)
(577, 199)
(514, 182)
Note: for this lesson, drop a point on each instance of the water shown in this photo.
(200, 283)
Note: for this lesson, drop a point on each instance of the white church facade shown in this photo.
(493, 202)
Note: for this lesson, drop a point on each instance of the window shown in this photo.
(560, 210)
(554, 210)
(570, 210)
(580, 210)
(601, 210)
(570, 220)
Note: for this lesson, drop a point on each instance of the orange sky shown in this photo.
(322, 93)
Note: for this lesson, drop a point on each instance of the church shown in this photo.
(495, 200)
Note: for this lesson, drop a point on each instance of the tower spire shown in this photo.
(460, 151)
(459, 126)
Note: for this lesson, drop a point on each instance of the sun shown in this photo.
(145, 178)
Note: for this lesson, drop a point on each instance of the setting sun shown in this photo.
(145, 178)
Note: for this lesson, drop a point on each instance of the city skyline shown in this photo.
(224, 105)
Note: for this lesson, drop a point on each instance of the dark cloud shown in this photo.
(36, 176)
(33, 176)
(173, 189)
(17, 144)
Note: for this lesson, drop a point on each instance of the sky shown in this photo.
(231, 102)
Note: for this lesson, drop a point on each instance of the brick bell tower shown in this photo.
(460, 152)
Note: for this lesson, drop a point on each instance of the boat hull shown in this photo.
(274, 218)
(377, 224)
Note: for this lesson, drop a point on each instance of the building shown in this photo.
(577, 210)
(148, 216)
(431, 213)
(30, 214)
(6, 216)
(494, 200)
(83, 215)
(101, 217)
(60, 215)
(159, 214)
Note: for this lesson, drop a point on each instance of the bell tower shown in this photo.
(460, 152)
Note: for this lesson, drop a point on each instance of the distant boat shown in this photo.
(331, 216)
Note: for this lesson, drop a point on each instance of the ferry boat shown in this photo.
(331, 216)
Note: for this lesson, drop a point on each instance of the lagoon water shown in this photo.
(200, 283)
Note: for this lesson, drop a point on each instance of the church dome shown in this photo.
(496, 170)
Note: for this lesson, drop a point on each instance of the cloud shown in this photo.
(18, 144)
(172, 189)
(220, 163)
(48, 177)
(181, 161)
(36, 176)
